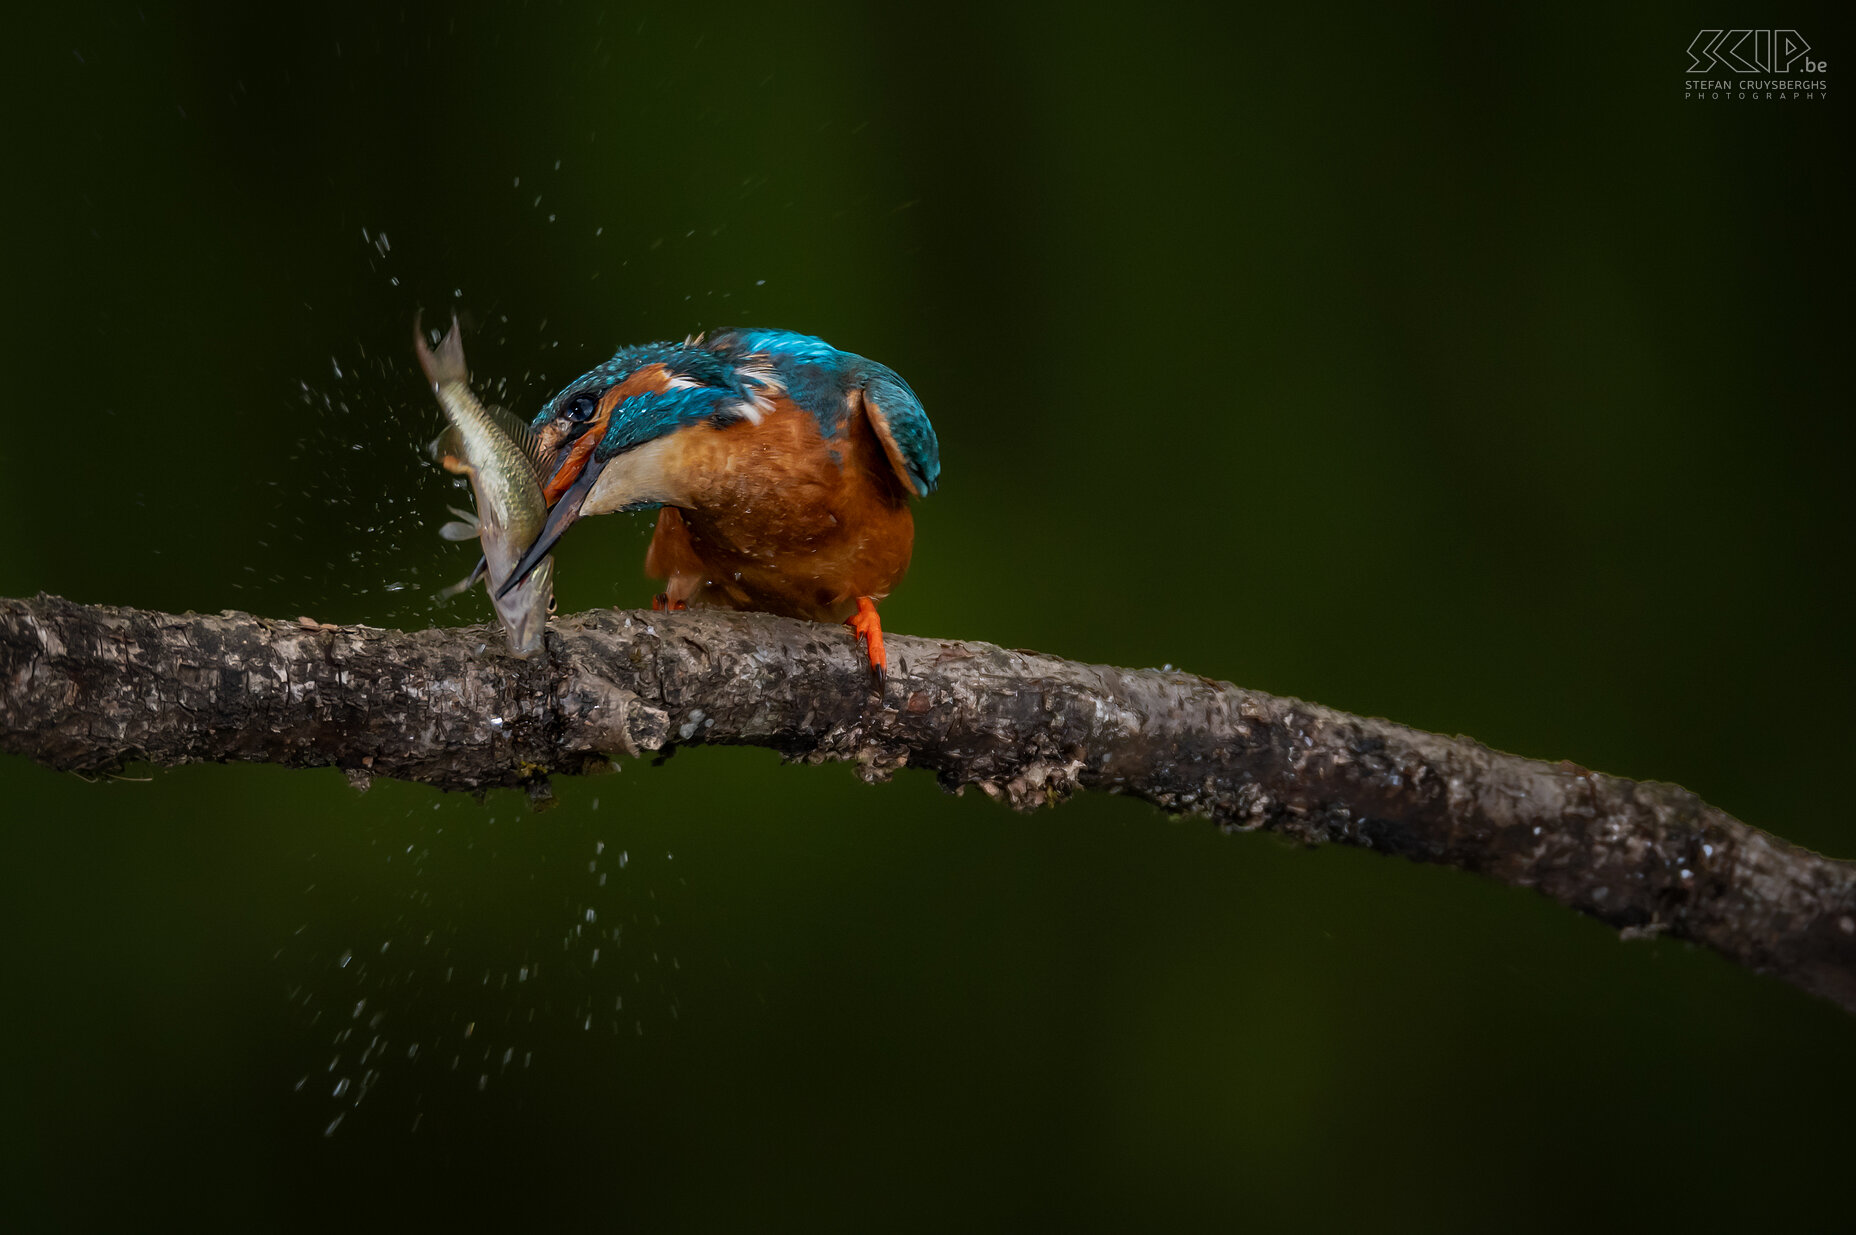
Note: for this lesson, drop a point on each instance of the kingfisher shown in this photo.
(780, 468)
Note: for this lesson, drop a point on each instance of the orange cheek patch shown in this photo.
(570, 468)
(648, 380)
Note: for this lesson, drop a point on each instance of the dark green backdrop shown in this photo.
(1448, 368)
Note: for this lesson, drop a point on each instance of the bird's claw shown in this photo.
(865, 628)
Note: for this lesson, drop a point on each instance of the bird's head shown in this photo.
(639, 396)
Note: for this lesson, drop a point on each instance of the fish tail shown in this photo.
(447, 363)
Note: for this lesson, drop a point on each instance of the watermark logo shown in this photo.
(1751, 51)
(1747, 53)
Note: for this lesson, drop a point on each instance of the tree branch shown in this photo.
(86, 688)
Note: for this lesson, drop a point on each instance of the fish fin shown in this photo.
(447, 363)
(462, 585)
(518, 431)
(458, 530)
(447, 449)
(469, 516)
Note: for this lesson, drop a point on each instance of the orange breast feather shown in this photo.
(778, 518)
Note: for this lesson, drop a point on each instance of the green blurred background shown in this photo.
(1448, 368)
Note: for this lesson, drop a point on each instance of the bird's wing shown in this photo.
(644, 417)
(902, 426)
(834, 385)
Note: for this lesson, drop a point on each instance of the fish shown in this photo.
(499, 456)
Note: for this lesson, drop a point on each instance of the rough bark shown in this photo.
(88, 688)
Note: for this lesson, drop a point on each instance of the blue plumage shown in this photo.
(908, 424)
(642, 418)
(730, 376)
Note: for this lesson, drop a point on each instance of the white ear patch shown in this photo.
(761, 385)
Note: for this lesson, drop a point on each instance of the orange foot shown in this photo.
(865, 626)
(661, 603)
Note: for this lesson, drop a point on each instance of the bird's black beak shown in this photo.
(559, 520)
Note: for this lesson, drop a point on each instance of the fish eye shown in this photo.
(580, 408)
(553, 603)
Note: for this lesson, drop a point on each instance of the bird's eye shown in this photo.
(553, 601)
(580, 408)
